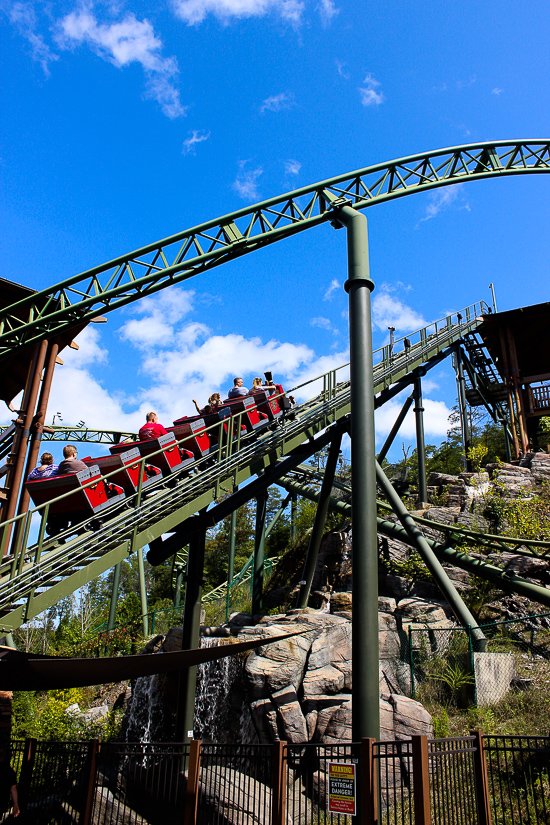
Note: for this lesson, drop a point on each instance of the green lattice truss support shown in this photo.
(179, 257)
(84, 435)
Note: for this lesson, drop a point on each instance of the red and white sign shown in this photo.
(341, 788)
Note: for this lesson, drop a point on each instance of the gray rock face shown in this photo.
(314, 704)
(278, 665)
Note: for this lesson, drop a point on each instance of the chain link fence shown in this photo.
(446, 670)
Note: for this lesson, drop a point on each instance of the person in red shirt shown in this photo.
(151, 429)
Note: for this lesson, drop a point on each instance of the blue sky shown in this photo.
(125, 122)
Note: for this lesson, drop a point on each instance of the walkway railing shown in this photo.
(471, 780)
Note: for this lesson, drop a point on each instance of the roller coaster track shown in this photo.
(42, 572)
(158, 265)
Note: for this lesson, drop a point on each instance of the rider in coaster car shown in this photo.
(257, 386)
(70, 463)
(214, 402)
(151, 429)
(237, 390)
(45, 469)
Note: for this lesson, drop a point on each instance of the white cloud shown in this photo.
(369, 95)
(461, 84)
(246, 182)
(334, 285)
(497, 91)
(316, 367)
(340, 66)
(159, 314)
(275, 103)
(327, 10)
(442, 199)
(23, 17)
(89, 349)
(436, 419)
(389, 311)
(194, 11)
(292, 167)
(128, 41)
(178, 359)
(196, 136)
(322, 323)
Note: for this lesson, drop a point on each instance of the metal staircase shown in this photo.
(42, 570)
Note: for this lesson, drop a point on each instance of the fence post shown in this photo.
(278, 794)
(29, 754)
(192, 793)
(93, 749)
(421, 781)
(411, 662)
(483, 801)
(369, 783)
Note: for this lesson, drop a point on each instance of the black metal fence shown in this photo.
(471, 780)
(518, 770)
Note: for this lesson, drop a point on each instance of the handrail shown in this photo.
(36, 565)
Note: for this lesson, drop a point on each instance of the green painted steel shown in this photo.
(365, 642)
(82, 435)
(455, 533)
(259, 553)
(172, 260)
(443, 581)
(42, 573)
(445, 553)
(319, 522)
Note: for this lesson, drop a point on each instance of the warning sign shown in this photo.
(341, 788)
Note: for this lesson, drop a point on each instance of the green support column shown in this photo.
(366, 707)
(395, 429)
(432, 563)
(319, 523)
(293, 508)
(231, 561)
(462, 408)
(190, 636)
(259, 554)
(114, 596)
(178, 583)
(420, 445)
(143, 593)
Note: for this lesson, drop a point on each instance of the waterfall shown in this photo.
(148, 719)
(222, 714)
(221, 709)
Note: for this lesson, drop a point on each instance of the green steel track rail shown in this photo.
(455, 534)
(41, 573)
(147, 270)
(446, 554)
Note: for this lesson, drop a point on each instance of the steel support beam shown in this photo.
(366, 699)
(432, 563)
(15, 473)
(462, 407)
(395, 429)
(142, 593)
(259, 554)
(319, 522)
(449, 555)
(180, 571)
(231, 560)
(190, 636)
(293, 509)
(114, 596)
(38, 423)
(172, 260)
(420, 444)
